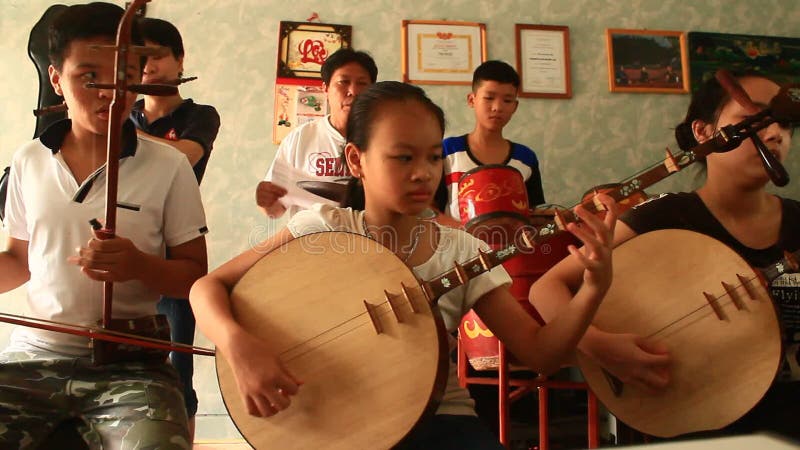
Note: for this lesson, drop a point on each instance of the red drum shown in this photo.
(493, 203)
(479, 343)
(544, 256)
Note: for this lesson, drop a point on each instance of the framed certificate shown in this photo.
(442, 52)
(543, 61)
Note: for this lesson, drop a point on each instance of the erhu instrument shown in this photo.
(122, 49)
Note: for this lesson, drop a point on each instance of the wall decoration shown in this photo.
(441, 52)
(773, 56)
(296, 103)
(647, 61)
(303, 47)
(543, 61)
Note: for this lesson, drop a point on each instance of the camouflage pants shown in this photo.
(121, 406)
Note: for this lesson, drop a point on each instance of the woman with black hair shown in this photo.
(732, 206)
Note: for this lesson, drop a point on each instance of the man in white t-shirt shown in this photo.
(56, 187)
(315, 149)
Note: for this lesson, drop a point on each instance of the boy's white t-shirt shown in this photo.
(159, 206)
(454, 245)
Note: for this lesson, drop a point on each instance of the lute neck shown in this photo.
(726, 139)
(529, 238)
(788, 264)
(635, 184)
(462, 273)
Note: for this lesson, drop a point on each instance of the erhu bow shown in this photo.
(123, 50)
(165, 88)
(777, 173)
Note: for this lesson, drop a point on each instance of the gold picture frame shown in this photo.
(441, 52)
(304, 46)
(543, 61)
(647, 61)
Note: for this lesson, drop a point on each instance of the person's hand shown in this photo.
(116, 259)
(264, 383)
(598, 238)
(633, 360)
(267, 195)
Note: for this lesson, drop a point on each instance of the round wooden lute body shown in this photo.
(723, 362)
(361, 388)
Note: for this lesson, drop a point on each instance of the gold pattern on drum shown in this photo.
(473, 329)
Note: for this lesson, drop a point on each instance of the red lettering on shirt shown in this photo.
(330, 166)
(171, 135)
(324, 165)
(319, 164)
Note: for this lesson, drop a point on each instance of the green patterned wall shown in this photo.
(595, 137)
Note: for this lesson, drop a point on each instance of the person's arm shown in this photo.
(263, 382)
(546, 348)
(534, 187)
(197, 136)
(14, 265)
(193, 151)
(629, 357)
(268, 194)
(119, 260)
(14, 269)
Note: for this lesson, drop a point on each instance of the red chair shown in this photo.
(478, 347)
(511, 389)
(488, 353)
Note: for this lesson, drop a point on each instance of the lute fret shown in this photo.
(462, 273)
